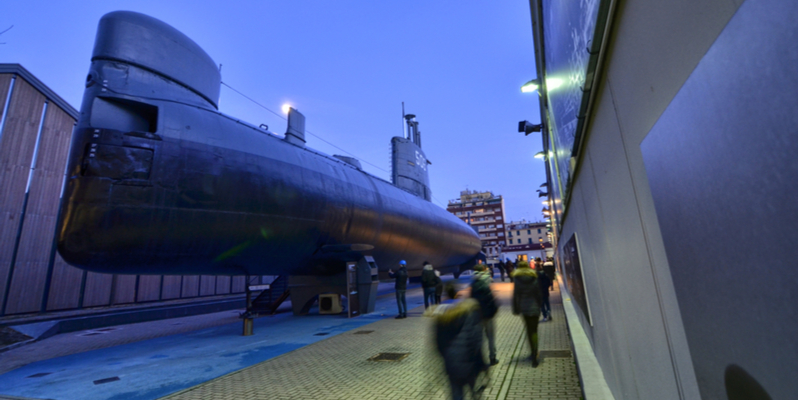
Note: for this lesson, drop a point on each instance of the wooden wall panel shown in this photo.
(191, 286)
(124, 289)
(5, 83)
(238, 284)
(97, 291)
(208, 285)
(33, 253)
(65, 287)
(16, 151)
(171, 287)
(30, 271)
(149, 288)
(223, 285)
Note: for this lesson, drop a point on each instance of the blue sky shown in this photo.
(347, 66)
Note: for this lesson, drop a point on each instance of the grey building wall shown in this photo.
(657, 309)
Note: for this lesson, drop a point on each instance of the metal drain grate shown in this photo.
(363, 332)
(555, 354)
(106, 380)
(39, 375)
(321, 334)
(389, 357)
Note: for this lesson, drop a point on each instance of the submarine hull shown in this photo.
(160, 182)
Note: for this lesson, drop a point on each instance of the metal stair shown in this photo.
(269, 299)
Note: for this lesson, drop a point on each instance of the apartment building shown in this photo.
(485, 212)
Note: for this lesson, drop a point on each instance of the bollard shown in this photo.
(247, 329)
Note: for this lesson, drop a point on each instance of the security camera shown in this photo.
(527, 127)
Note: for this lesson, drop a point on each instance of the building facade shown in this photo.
(677, 127)
(485, 212)
(526, 240)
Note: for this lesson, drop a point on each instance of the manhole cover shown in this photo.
(389, 357)
(555, 354)
(106, 380)
(321, 334)
(39, 375)
(363, 332)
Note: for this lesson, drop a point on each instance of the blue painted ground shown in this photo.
(157, 367)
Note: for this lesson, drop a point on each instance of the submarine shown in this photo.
(160, 182)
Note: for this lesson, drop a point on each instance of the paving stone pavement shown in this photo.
(339, 367)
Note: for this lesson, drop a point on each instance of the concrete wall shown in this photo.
(643, 336)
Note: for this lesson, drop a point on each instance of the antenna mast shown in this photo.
(403, 118)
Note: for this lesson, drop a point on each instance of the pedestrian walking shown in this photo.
(526, 302)
(459, 340)
(428, 284)
(544, 289)
(502, 268)
(550, 270)
(509, 269)
(482, 292)
(400, 282)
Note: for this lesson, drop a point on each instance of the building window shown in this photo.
(509, 234)
(497, 209)
(500, 234)
(510, 242)
(530, 241)
(498, 218)
(519, 241)
(539, 231)
(517, 233)
(529, 231)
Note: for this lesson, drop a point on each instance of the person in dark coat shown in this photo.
(502, 268)
(527, 301)
(550, 270)
(400, 282)
(428, 284)
(544, 289)
(509, 269)
(460, 342)
(482, 291)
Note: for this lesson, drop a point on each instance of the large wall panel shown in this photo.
(722, 167)
(97, 291)
(149, 288)
(16, 152)
(124, 289)
(171, 288)
(223, 285)
(33, 252)
(191, 286)
(65, 287)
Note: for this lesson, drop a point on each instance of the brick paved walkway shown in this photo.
(339, 367)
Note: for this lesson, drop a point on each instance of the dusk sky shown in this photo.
(347, 66)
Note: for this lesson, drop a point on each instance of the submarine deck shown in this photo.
(287, 357)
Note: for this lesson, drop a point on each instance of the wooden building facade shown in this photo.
(35, 131)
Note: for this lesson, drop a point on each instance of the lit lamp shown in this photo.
(540, 154)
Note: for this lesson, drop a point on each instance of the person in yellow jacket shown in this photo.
(527, 301)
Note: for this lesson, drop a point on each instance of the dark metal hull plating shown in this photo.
(160, 182)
